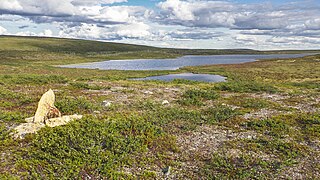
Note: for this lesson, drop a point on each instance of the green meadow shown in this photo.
(263, 123)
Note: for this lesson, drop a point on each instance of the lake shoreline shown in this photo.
(180, 62)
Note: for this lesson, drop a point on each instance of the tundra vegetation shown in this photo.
(263, 123)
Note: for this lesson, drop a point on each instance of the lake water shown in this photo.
(186, 76)
(174, 64)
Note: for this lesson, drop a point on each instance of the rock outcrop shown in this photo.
(46, 108)
(46, 115)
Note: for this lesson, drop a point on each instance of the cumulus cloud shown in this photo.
(85, 11)
(10, 5)
(193, 34)
(96, 2)
(214, 14)
(248, 25)
(137, 30)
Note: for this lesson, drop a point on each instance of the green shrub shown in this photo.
(80, 85)
(75, 105)
(273, 127)
(219, 114)
(5, 137)
(34, 79)
(245, 86)
(227, 167)
(309, 124)
(12, 116)
(98, 147)
(198, 96)
(252, 103)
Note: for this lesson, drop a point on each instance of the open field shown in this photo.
(264, 123)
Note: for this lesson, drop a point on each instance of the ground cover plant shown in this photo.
(263, 123)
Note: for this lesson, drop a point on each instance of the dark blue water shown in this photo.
(186, 76)
(174, 64)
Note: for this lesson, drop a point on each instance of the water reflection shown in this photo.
(186, 76)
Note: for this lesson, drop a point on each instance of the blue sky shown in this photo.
(282, 24)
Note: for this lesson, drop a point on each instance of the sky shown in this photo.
(200, 24)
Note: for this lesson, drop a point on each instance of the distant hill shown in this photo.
(75, 50)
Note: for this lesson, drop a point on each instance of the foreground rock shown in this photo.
(29, 128)
(46, 108)
(46, 115)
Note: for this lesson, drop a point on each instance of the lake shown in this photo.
(174, 64)
(186, 76)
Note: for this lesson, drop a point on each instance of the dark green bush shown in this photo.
(219, 114)
(75, 105)
(198, 96)
(98, 147)
(273, 127)
(245, 86)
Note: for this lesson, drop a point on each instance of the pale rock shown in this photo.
(30, 119)
(44, 105)
(165, 102)
(31, 128)
(26, 128)
(62, 120)
(148, 92)
(106, 103)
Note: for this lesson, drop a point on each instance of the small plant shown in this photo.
(273, 127)
(71, 105)
(12, 116)
(80, 85)
(243, 166)
(245, 87)
(197, 97)
(219, 114)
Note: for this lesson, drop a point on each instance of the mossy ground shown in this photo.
(262, 124)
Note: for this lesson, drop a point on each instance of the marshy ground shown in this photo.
(264, 123)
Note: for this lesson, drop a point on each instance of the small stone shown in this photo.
(166, 171)
(29, 120)
(148, 92)
(97, 112)
(165, 102)
(106, 103)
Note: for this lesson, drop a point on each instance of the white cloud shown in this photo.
(214, 14)
(45, 33)
(121, 13)
(137, 30)
(10, 5)
(96, 2)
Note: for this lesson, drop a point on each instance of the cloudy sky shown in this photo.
(256, 24)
